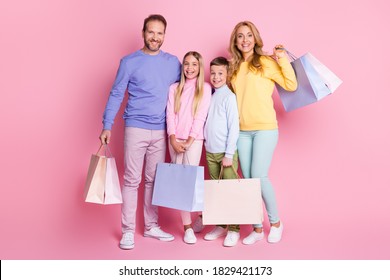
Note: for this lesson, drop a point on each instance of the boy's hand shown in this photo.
(226, 162)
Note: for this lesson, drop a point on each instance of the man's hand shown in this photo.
(105, 136)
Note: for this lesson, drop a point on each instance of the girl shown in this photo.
(253, 77)
(188, 104)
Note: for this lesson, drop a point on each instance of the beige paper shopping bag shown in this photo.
(102, 185)
(232, 201)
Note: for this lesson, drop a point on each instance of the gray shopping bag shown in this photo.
(179, 186)
(315, 81)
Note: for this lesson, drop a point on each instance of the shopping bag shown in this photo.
(232, 201)
(102, 185)
(179, 186)
(315, 81)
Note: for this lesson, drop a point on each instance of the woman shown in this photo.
(253, 77)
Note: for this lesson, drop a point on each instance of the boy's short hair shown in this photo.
(220, 61)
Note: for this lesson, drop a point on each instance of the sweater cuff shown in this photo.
(170, 132)
(283, 60)
(228, 155)
(193, 135)
(107, 126)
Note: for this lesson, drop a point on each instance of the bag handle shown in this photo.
(290, 54)
(235, 172)
(106, 149)
(185, 154)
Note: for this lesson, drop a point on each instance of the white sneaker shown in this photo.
(253, 237)
(197, 226)
(159, 234)
(231, 238)
(275, 234)
(189, 236)
(216, 232)
(127, 241)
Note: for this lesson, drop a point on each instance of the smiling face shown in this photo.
(218, 75)
(153, 37)
(191, 67)
(245, 41)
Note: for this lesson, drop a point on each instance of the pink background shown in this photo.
(58, 60)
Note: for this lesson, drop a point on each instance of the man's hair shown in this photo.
(220, 61)
(153, 18)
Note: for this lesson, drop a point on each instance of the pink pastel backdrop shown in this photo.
(58, 60)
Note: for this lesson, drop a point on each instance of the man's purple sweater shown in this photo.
(147, 79)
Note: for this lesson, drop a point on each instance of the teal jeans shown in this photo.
(255, 150)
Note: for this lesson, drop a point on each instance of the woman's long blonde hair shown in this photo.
(199, 84)
(236, 55)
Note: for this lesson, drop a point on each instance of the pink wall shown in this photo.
(58, 60)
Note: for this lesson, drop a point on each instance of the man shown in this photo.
(147, 75)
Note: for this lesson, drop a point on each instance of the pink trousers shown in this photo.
(147, 147)
(191, 157)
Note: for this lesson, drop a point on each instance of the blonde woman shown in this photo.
(188, 104)
(253, 78)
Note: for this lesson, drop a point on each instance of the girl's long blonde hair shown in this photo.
(236, 55)
(199, 84)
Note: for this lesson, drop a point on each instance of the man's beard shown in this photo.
(149, 47)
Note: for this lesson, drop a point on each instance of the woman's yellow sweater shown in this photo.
(254, 92)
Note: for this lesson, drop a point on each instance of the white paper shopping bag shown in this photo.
(102, 185)
(232, 201)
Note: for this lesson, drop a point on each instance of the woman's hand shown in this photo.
(280, 51)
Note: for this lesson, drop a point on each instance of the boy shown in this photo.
(221, 134)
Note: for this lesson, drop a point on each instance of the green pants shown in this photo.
(214, 164)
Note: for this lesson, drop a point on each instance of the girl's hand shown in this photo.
(226, 162)
(280, 51)
(187, 144)
(178, 147)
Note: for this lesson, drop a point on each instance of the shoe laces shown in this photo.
(157, 230)
(231, 236)
(254, 235)
(128, 236)
(276, 230)
(215, 230)
(189, 232)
